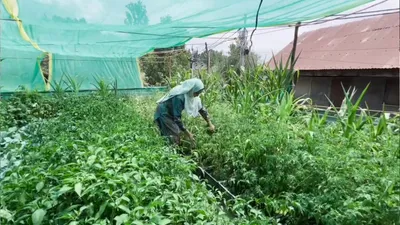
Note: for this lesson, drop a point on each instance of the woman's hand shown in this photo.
(189, 135)
(211, 127)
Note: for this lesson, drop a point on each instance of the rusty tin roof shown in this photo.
(366, 44)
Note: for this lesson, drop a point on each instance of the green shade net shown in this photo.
(102, 39)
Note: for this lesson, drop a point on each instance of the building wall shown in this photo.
(321, 85)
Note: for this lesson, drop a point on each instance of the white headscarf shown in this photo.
(188, 88)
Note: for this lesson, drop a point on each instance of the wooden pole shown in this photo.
(208, 59)
(170, 66)
(293, 54)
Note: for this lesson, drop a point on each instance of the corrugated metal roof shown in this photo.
(366, 44)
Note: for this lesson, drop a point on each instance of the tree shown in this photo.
(218, 60)
(166, 19)
(234, 55)
(60, 19)
(136, 14)
(159, 65)
(250, 61)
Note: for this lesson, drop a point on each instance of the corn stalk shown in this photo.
(347, 115)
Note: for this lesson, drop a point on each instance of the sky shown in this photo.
(267, 41)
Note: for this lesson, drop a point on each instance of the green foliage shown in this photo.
(221, 63)
(60, 19)
(98, 159)
(288, 106)
(178, 78)
(58, 88)
(100, 162)
(73, 84)
(246, 90)
(348, 113)
(249, 89)
(327, 179)
(160, 67)
(166, 19)
(24, 107)
(102, 87)
(290, 162)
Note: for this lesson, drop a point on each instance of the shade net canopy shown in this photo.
(103, 38)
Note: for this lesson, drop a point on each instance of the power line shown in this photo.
(358, 11)
(347, 18)
(266, 32)
(273, 31)
(224, 36)
(374, 11)
(214, 45)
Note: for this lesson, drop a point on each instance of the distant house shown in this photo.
(353, 54)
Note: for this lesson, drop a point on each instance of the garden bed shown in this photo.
(98, 159)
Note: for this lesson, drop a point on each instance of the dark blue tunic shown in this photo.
(168, 116)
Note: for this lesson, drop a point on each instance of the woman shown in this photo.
(169, 110)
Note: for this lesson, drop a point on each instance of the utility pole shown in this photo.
(243, 42)
(208, 59)
(243, 45)
(195, 59)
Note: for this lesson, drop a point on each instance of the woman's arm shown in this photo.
(203, 112)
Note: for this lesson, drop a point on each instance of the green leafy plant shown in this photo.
(179, 77)
(102, 87)
(100, 162)
(73, 84)
(58, 88)
(281, 77)
(26, 106)
(288, 105)
(348, 113)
